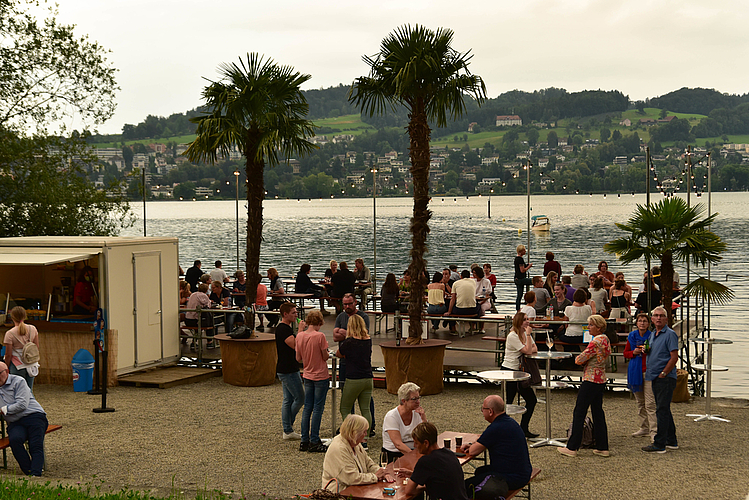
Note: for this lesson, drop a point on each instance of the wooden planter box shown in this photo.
(248, 362)
(420, 364)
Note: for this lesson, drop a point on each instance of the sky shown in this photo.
(164, 49)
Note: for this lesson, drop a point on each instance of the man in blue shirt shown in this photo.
(661, 371)
(26, 421)
(509, 460)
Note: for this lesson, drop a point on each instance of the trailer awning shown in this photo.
(43, 259)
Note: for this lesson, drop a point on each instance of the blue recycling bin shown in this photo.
(83, 371)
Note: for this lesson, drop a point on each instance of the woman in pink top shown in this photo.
(261, 302)
(590, 395)
(14, 340)
(312, 352)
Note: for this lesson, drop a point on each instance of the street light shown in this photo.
(236, 177)
(374, 225)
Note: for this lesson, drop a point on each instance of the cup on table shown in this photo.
(447, 443)
(458, 442)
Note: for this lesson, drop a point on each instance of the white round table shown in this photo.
(709, 368)
(503, 376)
(549, 356)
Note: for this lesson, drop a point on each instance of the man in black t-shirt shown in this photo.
(192, 276)
(287, 369)
(438, 471)
(343, 283)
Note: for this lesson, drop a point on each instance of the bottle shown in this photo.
(646, 346)
(550, 312)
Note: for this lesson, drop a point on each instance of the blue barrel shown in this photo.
(83, 371)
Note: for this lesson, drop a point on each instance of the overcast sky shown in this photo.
(644, 48)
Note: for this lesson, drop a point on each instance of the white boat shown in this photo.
(540, 223)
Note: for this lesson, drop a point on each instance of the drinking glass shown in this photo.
(397, 466)
(549, 341)
(383, 459)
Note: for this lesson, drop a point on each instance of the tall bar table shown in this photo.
(548, 356)
(503, 376)
(709, 368)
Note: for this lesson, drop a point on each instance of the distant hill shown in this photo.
(697, 100)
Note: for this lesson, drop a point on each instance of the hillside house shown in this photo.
(508, 121)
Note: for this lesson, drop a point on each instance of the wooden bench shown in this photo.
(499, 340)
(5, 442)
(525, 489)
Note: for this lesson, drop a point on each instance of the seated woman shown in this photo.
(578, 311)
(599, 296)
(551, 279)
(619, 298)
(436, 299)
(304, 285)
(347, 461)
(389, 294)
(276, 288)
(401, 420)
(184, 292)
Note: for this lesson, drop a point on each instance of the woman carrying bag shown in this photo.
(15, 340)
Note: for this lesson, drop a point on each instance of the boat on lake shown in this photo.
(540, 223)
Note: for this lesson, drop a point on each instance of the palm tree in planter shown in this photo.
(417, 68)
(258, 107)
(672, 231)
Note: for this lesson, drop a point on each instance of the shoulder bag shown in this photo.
(530, 366)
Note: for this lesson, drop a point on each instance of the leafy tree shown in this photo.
(532, 135)
(418, 69)
(45, 191)
(672, 231)
(47, 73)
(552, 139)
(259, 107)
(605, 134)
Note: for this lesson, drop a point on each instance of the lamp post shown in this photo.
(374, 226)
(236, 177)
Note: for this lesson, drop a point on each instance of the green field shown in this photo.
(347, 124)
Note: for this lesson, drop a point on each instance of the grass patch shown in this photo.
(24, 489)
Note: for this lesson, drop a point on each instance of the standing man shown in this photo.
(287, 369)
(26, 421)
(438, 471)
(363, 275)
(219, 274)
(339, 333)
(193, 275)
(661, 371)
(509, 461)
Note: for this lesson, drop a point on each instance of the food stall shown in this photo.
(133, 280)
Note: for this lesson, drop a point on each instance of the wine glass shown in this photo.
(549, 341)
(397, 466)
(383, 459)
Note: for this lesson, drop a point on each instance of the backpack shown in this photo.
(29, 353)
(588, 440)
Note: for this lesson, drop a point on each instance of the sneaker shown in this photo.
(651, 448)
(210, 345)
(292, 436)
(304, 446)
(602, 453)
(318, 448)
(641, 432)
(372, 433)
(567, 453)
(672, 447)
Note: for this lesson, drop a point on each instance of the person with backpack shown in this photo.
(22, 347)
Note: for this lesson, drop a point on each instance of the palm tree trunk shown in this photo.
(667, 285)
(255, 195)
(418, 131)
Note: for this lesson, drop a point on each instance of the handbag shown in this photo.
(326, 494)
(530, 366)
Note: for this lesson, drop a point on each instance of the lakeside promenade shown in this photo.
(215, 436)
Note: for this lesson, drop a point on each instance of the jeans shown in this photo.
(315, 392)
(24, 374)
(521, 283)
(589, 396)
(30, 428)
(435, 309)
(342, 384)
(357, 389)
(293, 399)
(663, 390)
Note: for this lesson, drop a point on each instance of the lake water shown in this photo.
(315, 231)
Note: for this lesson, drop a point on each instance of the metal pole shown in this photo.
(374, 228)
(144, 202)
(236, 175)
(649, 279)
(528, 207)
(709, 213)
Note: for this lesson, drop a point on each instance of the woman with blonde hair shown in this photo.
(14, 340)
(346, 459)
(357, 349)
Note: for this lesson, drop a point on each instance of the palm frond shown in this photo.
(709, 290)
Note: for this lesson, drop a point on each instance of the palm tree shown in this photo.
(417, 68)
(257, 106)
(672, 231)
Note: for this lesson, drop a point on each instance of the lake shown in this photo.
(318, 230)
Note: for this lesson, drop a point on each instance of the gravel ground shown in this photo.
(212, 435)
